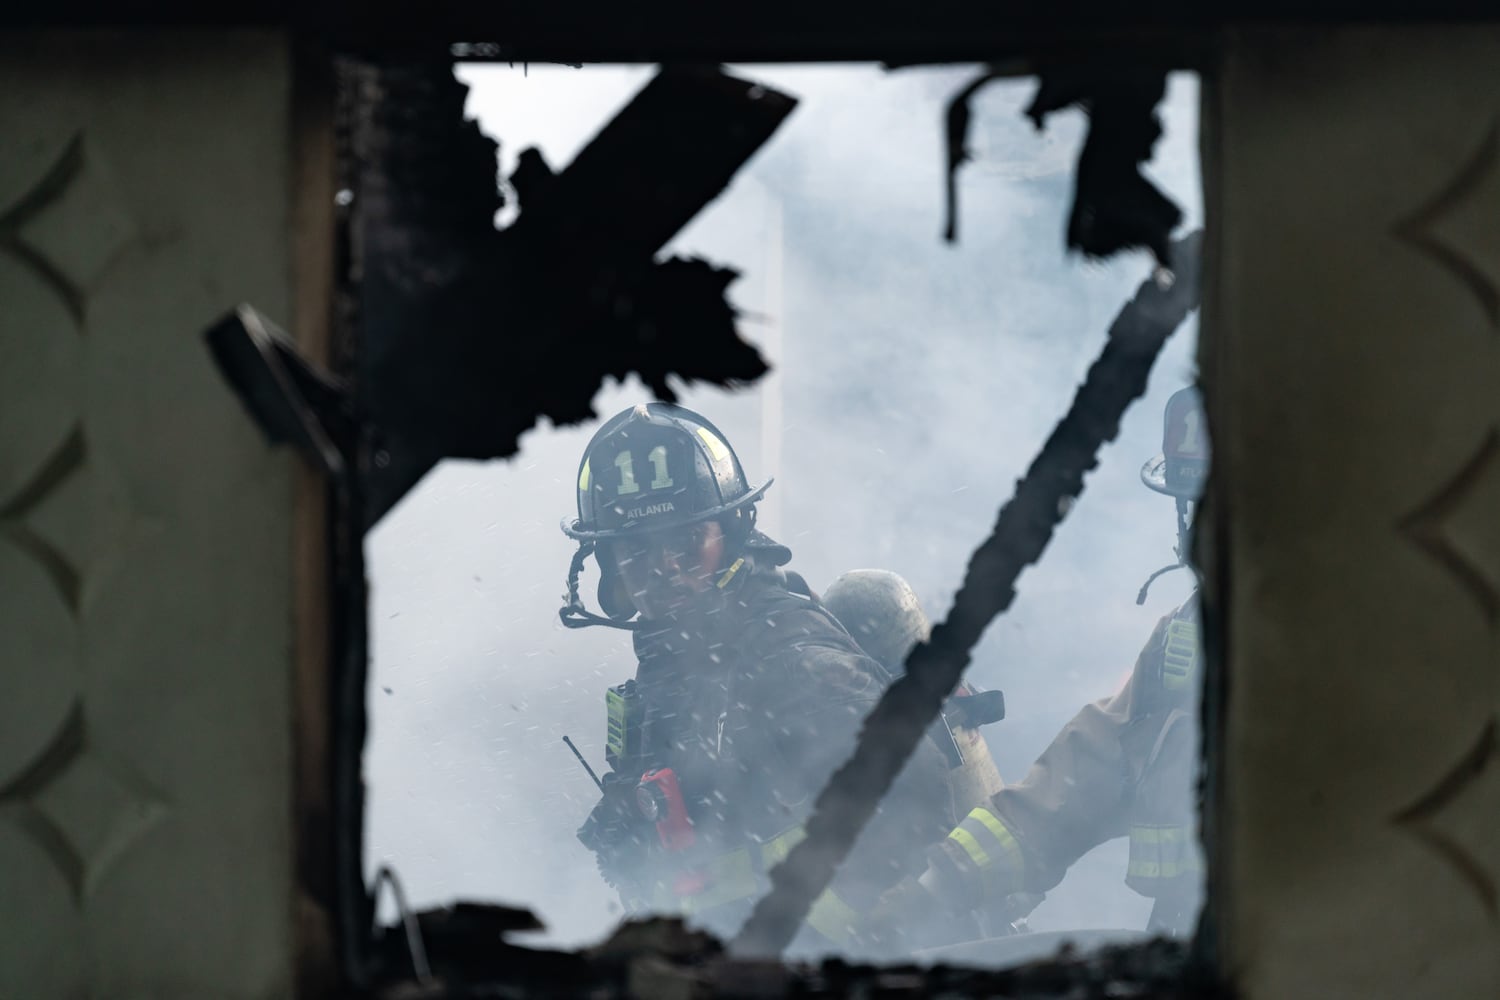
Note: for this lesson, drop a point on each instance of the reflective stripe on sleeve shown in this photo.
(971, 847)
(993, 849)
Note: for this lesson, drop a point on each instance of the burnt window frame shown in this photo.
(420, 180)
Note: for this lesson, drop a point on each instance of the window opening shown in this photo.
(911, 383)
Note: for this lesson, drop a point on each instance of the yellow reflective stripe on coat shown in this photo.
(994, 851)
(727, 878)
(1161, 852)
(1180, 656)
(774, 851)
(833, 918)
(616, 722)
(971, 847)
(730, 877)
(735, 876)
(829, 915)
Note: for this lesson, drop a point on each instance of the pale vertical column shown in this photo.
(772, 345)
(1352, 362)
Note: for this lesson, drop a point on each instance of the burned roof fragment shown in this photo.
(1114, 206)
(469, 334)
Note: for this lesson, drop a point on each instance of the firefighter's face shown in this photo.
(666, 570)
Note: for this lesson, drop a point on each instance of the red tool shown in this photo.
(659, 798)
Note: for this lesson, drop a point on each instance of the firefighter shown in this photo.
(1122, 767)
(885, 616)
(748, 692)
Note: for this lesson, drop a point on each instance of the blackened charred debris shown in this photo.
(661, 958)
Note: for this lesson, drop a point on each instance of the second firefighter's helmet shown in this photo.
(883, 614)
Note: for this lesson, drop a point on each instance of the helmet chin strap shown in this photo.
(1180, 551)
(574, 614)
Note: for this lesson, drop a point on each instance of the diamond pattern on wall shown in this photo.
(58, 469)
(82, 808)
(72, 519)
(72, 225)
(42, 347)
(1456, 819)
(41, 654)
(1460, 525)
(1460, 226)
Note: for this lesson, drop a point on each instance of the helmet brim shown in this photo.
(572, 530)
(1154, 475)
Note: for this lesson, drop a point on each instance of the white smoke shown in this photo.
(914, 382)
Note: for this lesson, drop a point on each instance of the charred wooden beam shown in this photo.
(468, 335)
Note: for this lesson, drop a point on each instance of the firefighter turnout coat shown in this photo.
(750, 713)
(1122, 767)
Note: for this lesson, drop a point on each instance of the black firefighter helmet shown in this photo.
(1181, 469)
(1182, 466)
(652, 466)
